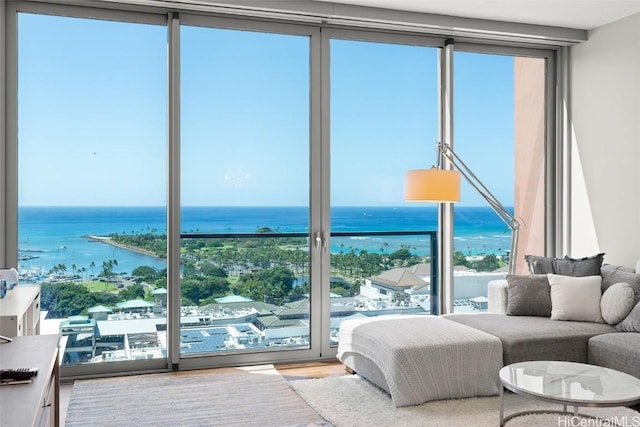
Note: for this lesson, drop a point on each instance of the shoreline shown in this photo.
(107, 240)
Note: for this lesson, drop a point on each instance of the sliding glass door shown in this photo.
(245, 219)
(384, 121)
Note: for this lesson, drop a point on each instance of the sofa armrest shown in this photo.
(497, 296)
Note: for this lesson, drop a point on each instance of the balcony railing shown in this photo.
(250, 292)
(269, 274)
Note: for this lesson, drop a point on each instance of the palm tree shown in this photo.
(107, 268)
(61, 268)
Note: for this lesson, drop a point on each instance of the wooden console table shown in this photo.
(37, 403)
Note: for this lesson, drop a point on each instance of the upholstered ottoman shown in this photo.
(421, 358)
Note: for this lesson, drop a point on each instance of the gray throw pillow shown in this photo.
(631, 323)
(579, 267)
(528, 295)
(612, 274)
(616, 303)
(539, 264)
(576, 267)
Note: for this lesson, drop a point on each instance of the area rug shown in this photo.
(351, 401)
(253, 396)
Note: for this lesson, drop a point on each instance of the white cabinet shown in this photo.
(20, 311)
(36, 404)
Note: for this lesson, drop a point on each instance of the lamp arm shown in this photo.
(488, 197)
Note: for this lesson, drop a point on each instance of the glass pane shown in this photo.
(499, 133)
(384, 121)
(245, 191)
(91, 183)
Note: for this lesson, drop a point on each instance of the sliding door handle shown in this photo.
(321, 241)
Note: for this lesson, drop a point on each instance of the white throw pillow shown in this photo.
(575, 298)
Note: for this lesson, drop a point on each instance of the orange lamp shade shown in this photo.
(432, 185)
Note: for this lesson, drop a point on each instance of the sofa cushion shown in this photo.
(539, 264)
(616, 351)
(616, 303)
(631, 323)
(575, 298)
(535, 338)
(528, 295)
(577, 267)
(612, 274)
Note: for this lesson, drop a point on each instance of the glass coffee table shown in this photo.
(568, 384)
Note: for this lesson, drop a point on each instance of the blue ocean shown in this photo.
(49, 236)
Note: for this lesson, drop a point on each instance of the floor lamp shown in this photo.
(443, 186)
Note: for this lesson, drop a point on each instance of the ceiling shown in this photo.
(579, 14)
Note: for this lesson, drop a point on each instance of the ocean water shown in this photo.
(56, 235)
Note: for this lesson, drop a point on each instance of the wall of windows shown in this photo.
(274, 201)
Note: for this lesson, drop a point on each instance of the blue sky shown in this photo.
(92, 116)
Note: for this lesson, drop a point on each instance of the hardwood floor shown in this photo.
(301, 371)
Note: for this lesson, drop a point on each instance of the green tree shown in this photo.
(460, 259)
(299, 292)
(250, 287)
(192, 289)
(209, 269)
(487, 263)
(203, 288)
(63, 299)
(161, 282)
(148, 274)
(401, 254)
(105, 298)
(107, 269)
(134, 291)
(277, 284)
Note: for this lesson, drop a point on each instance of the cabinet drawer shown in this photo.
(46, 409)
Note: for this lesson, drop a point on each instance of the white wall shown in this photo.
(605, 172)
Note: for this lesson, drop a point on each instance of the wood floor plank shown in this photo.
(301, 371)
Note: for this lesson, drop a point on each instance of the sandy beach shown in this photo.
(109, 241)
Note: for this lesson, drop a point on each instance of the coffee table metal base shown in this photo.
(575, 413)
